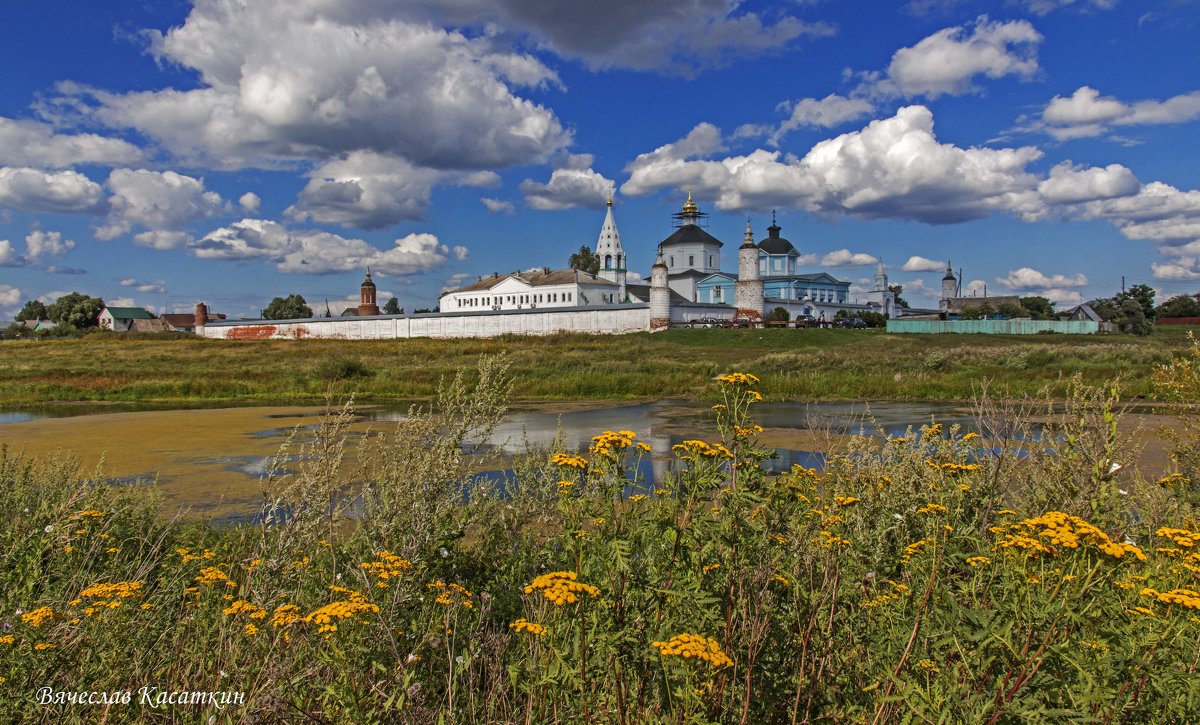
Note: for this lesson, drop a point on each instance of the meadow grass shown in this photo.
(937, 576)
(797, 364)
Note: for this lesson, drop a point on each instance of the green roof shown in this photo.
(129, 313)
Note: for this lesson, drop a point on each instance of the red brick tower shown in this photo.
(366, 305)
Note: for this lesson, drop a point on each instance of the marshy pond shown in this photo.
(212, 462)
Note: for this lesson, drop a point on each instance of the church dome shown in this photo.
(775, 244)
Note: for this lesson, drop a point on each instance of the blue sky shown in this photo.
(166, 153)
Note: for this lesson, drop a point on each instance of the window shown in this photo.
(691, 260)
(716, 293)
(608, 261)
(670, 261)
(710, 260)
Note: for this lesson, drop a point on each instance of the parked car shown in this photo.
(850, 323)
(805, 321)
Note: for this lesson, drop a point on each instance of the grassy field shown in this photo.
(795, 364)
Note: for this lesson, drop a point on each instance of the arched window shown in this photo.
(608, 261)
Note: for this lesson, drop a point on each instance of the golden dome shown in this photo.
(689, 206)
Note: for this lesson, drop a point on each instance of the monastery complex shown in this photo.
(686, 285)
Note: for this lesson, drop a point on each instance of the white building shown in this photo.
(539, 289)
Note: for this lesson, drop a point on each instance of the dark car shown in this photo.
(805, 321)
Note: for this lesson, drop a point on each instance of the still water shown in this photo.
(213, 461)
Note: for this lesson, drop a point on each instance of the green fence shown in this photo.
(994, 327)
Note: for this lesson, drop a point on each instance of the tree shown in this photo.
(1131, 317)
(585, 260)
(1012, 309)
(392, 307)
(292, 307)
(778, 314)
(1143, 295)
(34, 310)
(1177, 306)
(1039, 308)
(873, 319)
(76, 311)
(896, 289)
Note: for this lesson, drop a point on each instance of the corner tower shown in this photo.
(660, 296)
(366, 304)
(748, 292)
(612, 255)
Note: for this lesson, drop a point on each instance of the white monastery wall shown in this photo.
(614, 320)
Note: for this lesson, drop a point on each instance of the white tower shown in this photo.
(881, 295)
(612, 255)
(660, 296)
(949, 287)
(881, 279)
(748, 292)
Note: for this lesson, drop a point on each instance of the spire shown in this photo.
(689, 206)
(773, 230)
(749, 242)
(608, 246)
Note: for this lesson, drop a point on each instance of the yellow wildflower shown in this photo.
(693, 646)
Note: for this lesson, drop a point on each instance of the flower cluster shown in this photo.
(845, 500)
(953, 469)
(898, 590)
(696, 449)
(609, 444)
(828, 540)
(747, 431)
(285, 615)
(561, 587)
(211, 576)
(107, 595)
(690, 646)
(565, 461)
(1182, 597)
(38, 617)
(978, 561)
(449, 594)
(1042, 534)
(737, 379)
(386, 566)
(354, 605)
(931, 509)
(913, 549)
(531, 627)
(241, 606)
(1181, 537)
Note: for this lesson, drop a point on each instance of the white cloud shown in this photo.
(974, 288)
(40, 245)
(33, 143)
(846, 258)
(62, 192)
(1180, 269)
(9, 256)
(1072, 184)
(162, 239)
(158, 201)
(948, 61)
(1086, 113)
(9, 295)
(499, 206)
(1057, 288)
(921, 264)
(1043, 7)
(572, 184)
(250, 202)
(457, 280)
(894, 168)
(320, 252)
(832, 110)
(333, 78)
(158, 286)
(365, 190)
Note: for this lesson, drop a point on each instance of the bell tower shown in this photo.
(366, 304)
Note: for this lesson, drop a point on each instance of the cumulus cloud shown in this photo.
(948, 61)
(161, 201)
(1058, 288)
(365, 190)
(9, 256)
(9, 295)
(922, 264)
(157, 287)
(41, 245)
(832, 110)
(894, 168)
(320, 252)
(330, 79)
(250, 202)
(499, 206)
(36, 144)
(572, 184)
(677, 36)
(1183, 269)
(62, 192)
(846, 258)
(1044, 7)
(1086, 113)
(1070, 184)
